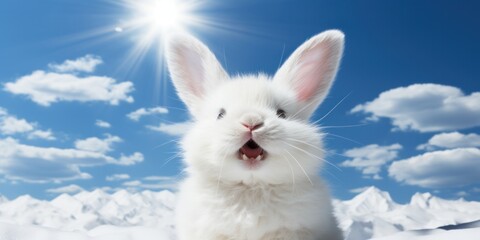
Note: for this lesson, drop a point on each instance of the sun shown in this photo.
(150, 22)
(160, 16)
(154, 20)
(164, 14)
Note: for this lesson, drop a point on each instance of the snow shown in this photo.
(147, 215)
(435, 234)
(19, 232)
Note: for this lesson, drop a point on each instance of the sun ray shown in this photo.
(145, 25)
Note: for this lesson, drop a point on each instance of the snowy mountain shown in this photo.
(373, 214)
(88, 210)
(149, 215)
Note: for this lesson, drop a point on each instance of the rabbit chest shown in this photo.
(250, 212)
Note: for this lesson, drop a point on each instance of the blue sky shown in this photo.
(421, 134)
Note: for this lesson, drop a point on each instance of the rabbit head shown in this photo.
(254, 128)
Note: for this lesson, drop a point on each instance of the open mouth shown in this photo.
(251, 151)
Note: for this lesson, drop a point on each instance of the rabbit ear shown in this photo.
(311, 69)
(193, 68)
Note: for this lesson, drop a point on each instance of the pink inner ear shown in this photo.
(194, 72)
(310, 73)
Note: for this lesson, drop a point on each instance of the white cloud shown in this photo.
(154, 182)
(94, 144)
(47, 135)
(462, 194)
(425, 108)
(71, 189)
(447, 168)
(117, 177)
(11, 125)
(174, 129)
(160, 182)
(157, 178)
(48, 164)
(134, 183)
(108, 189)
(88, 63)
(451, 140)
(359, 190)
(139, 113)
(131, 160)
(102, 124)
(370, 159)
(45, 88)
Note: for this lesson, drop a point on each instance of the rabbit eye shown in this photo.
(281, 113)
(221, 114)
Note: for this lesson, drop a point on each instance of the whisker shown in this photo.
(286, 102)
(168, 121)
(326, 170)
(344, 126)
(293, 173)
(220, 173)
(322, 159)
(301, 109)
(221, 170)
(182, 109)
(165, 143)
(180, 175)
(342, 137)
(300, 165)
(331, 174)
(170, 159)
(176, 152)
(323, 150)
(309, 144)
(281, 57)
(331, 110)
(225, 59)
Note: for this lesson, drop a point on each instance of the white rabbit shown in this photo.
(252, 158)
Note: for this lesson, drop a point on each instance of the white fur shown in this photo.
(284, 198)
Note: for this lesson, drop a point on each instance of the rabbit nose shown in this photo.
(252, 121)
(253, 127)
